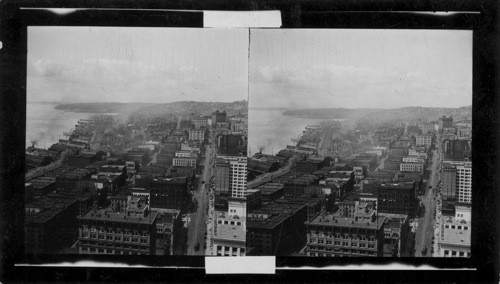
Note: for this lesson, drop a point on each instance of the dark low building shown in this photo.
(83, 159)
(68, 181)
(167, 193)
(271, 191)
(311, 165)
(398, 198)
(300, 185)
(276, 229)
(314, 204)
(50, 224)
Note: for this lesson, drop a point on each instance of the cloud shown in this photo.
(349, 86)
(108, 79)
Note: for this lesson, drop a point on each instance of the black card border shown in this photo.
(314, 14)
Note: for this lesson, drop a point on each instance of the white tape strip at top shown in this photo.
(242, 19)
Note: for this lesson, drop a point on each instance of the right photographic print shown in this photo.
(359, 143)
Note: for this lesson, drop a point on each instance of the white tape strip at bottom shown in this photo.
(240, 265)
(242, 19)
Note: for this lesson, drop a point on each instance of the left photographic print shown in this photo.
(136, 141)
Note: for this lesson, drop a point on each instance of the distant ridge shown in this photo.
(106, 107)
(405, 113)
(174, 108)
(198, 108)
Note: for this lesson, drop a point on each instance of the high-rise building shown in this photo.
(444, 122)
(222, 176)
(231, 176)
(238, 177)
(456, 150)
(231, 145)
(217, 117)
(449, 174)
(464, 182)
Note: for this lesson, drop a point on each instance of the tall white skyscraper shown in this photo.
(464, 182)
(238, 177)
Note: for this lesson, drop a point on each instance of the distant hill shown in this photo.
(150, 109)
(107, 107)
(405, 113)
(191, 107)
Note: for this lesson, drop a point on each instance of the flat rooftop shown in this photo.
(106, 214)
(230, 232)
(305, 179)
(334, 220)
(455, 236)
(273, 214)
(287, 177)
(76, 174)
(60, 171)
(41, 182)
(271, 186)
(45, 208)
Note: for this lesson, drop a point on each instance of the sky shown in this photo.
(360, 68)
(125, 64)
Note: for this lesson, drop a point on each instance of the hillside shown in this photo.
(406, 113)
(107, 107)
(191, 107)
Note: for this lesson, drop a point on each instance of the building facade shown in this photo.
(229, 235)
(276, 229)
(423, 140)
(196, 134)
(464, 182)
(238, 177)
(102, 231)
(50, 224)
(449, 174)
(455, 236)
(411, 167)
(184, 162)
(329, 235)
(222, 176)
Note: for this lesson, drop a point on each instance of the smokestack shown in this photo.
(33, 143)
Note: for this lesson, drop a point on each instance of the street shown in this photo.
(197, 226)
(426, 224)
